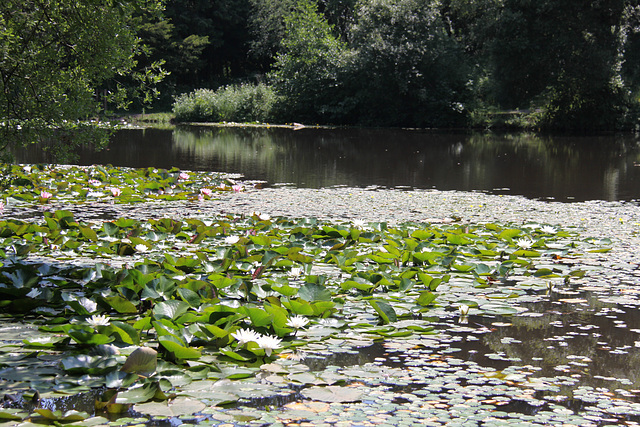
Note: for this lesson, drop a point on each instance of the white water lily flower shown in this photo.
(98, 320)
(264, 217)
(358, 223)
(244, 336)
(269, 343)
(297, 322)
(464, 309)
(88, 305)
(547, 229)
(231, 240)
(141, 248)
(33, 293)
(524, 243)
(295, 272)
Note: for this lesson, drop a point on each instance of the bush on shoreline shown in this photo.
(233, 103)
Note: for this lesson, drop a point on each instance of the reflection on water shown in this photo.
(564, 168)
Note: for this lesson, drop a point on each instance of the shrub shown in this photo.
(233, 103)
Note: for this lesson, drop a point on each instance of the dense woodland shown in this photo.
(575, 63)
(562, 64)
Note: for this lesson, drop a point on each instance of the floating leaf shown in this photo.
(142, 360)
(175, 408)
(384, 310)
(333, 394)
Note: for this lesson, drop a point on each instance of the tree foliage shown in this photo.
(55, 54)
(411, 71)
(309, 70)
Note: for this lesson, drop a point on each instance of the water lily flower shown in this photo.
(297, 322)
(94, 182)
(116, 191)
(183, 176)
(269, 343)
(88, 305)
(206, 191)
(141, 248)
(547, 229)
(98, 320)
(33, 293)
(27, 169)
(264, 217)
(231, 240)
(45, 195)
(464, 309)
(524, 243)
(237, 188)
(358, 223)
(244, 336)
(1, 206)
(295, 272)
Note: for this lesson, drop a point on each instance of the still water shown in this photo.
(560, 168)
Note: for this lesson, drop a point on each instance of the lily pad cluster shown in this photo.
(164, 309)
(22, 184)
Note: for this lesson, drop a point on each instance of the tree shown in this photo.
(309, 71)
(411, 71)
(54, 54)
(573, 60)
(224, 23)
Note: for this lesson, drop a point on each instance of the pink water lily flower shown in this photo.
(45, 195)
(1, 206)
(116, 191)
(237, 188)
(183, 176)
(206, 191)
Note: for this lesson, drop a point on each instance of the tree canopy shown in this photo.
(55, 55)
(571, 64)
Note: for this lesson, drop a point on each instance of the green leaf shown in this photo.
(67, 417)
(171, 309)
(88, 233)
(140, 394)
(426, 298)
(384, 310)
(121, 305)
(180, 351)
(128, 334)
(190, 297)
(142, 360)
(314, 292)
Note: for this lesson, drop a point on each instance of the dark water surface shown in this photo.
(562, 168)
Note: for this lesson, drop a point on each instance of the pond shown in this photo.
(566, 355)
(561, 168)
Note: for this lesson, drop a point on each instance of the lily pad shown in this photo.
(333, 394)
(175, 408)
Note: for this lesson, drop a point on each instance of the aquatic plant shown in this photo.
(157, 306)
